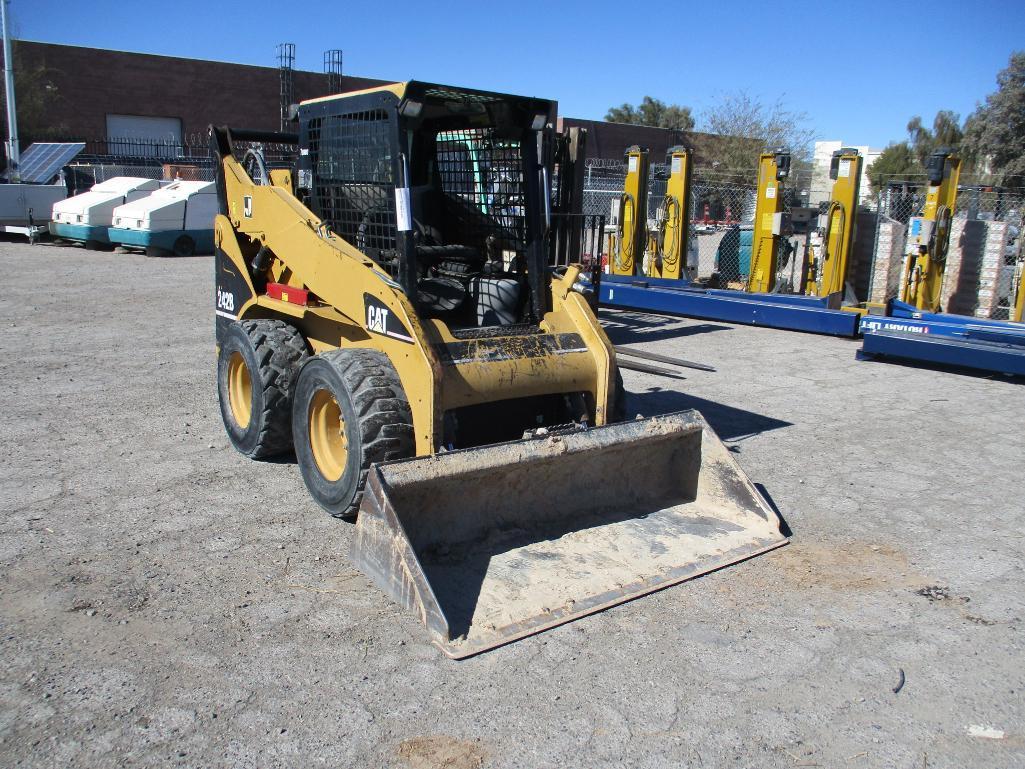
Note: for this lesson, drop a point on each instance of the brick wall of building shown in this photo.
(92, 83)
(610, 140)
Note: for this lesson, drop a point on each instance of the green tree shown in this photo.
(653, 112)
(946, 132)
(897, 162)
(995, 133)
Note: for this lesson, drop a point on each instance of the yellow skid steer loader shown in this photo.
(385, 306)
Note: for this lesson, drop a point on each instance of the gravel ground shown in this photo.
(166, 602)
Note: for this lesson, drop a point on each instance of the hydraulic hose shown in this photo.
(834, 206)
(622, 263)
(668, 214)
(938, 253)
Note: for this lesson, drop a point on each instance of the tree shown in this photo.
(946, 132)
(897, 162)
(995, 132)
(653, 112)
(37, 98)
(746, 127)
(905, 160)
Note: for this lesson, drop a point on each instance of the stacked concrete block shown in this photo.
(960, 281)
(994, 277)
(975, 280)
(889, 260)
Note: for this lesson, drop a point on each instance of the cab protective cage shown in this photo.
(369, 161)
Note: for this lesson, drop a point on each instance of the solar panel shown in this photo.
(42, 161)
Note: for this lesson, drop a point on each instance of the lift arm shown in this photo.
(773, 169)
(929, 234)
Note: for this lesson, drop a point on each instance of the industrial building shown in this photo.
(94, 94)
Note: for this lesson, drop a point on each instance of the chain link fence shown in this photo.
(165, 159)
(721, 216)
(189, 160)
(984, 258)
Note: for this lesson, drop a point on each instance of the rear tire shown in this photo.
(184, 246)
(349, 412)
(256, 369)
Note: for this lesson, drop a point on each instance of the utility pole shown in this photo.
(13, 153)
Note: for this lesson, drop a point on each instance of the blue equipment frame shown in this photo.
(907, 333)
(795, 312)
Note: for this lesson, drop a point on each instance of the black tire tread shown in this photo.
(385, 420)
(280, 350)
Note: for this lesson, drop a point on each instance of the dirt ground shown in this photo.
(166, 602)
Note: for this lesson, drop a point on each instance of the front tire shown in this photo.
(256, 369)
(349, 412)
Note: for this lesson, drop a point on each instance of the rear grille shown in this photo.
(492, 332)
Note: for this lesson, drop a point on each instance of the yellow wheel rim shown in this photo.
(240, 390)
(327, 435)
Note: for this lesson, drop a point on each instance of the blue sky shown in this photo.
(858, 69)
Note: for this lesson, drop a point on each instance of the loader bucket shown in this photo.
(491, 544)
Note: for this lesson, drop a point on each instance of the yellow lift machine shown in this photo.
(770, 221)
(659, 252)
(829, 259)
(928, 236)
(632, 220)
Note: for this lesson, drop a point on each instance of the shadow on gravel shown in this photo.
(729, 422)
(628, 327)
(784, 527)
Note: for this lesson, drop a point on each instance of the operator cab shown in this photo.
(441, 187)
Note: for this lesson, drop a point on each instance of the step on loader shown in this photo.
(386, 309)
